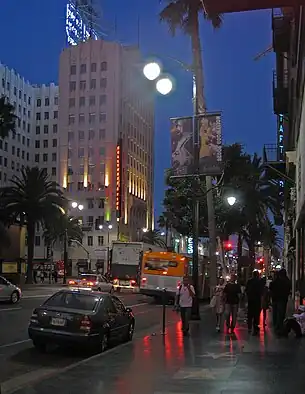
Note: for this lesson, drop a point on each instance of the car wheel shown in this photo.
(104, 342)
(130, 333)
(15, 297)
(40, 346)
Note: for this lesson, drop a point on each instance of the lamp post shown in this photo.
(109, 227)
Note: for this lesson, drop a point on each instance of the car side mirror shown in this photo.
(128, 310)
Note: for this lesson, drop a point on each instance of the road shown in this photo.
(21, 363)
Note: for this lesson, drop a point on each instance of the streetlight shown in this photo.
(152, 71)
(164, 86)
(145, 230)
(231, 200)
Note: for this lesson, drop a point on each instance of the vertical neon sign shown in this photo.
(280, 138)
(118, 199)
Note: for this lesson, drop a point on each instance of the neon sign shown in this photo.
(76, 29)
(118, 199)
(190, 246)
(280, 138)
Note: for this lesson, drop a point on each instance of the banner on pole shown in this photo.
(210, 144)
(182, 145)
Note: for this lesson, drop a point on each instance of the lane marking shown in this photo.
(14, 343)
(9, 309)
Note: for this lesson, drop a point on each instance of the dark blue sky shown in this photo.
(33, 33)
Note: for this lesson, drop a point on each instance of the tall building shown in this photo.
(106, 123)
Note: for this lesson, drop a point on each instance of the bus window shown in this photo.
(160, 265)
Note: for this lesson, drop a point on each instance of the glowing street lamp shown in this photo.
(231, 200)
(80, 207)
(145, 230)
(110, 226)
(152, 71)
(164, 86)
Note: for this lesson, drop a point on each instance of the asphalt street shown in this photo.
(19, 361)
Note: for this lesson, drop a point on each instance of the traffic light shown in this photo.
(228, 245)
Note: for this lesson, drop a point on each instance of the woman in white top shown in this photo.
(219, 302)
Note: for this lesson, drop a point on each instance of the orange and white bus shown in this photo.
(162, 270)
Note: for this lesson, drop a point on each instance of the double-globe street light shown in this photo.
(108, 227)
(164, 84)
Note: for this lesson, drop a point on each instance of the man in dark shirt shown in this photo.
(232, 293)
(254, 291)
(280, 290)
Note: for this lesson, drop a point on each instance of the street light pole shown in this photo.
(65, 256)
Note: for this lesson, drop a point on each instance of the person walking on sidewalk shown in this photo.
(184, 300)
(265, 300)
(254, 291)
(219, 303)
(232, 292)
(280, 290)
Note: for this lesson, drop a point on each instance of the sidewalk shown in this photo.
(205, 363)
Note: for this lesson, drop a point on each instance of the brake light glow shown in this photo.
(72, 282)
(178, 284)
(144, 279)
(164, 272)
(115, 281)
(85, 323)
(90, 283)
(133, 282)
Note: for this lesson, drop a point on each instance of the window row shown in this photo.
(46, 129)
(45, 143)
(92, 118)
(8, 87)
(92, 101)
(25, 141)
(91, 168)
(99, 186)
(45, 157)
(83, 68)
(46, 115)
(46, 101)
(22, 110)
(24, 125)
(91, 152)
(91, 135)
(84, 86)
(4, 160)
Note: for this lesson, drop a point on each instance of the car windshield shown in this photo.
(89, 277)
(73, 300)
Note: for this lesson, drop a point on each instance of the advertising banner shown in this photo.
(227, 6)
(182, 145)
(210, 140)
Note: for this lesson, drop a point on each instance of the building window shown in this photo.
(13, 165)
(71, 102)
(70, 136)
(104, 66)
(55, 128)
(37, 158)
(37, 144)
(55, 114)
(90, 240)
(5, 146)
(73, 70)
(15, 91)
(81, 118)
(80, 186)
(93, 67)
(91, 134)
(45, 129)
(46, 115)
(37, 129)
(28, 156)
(82, 85)
(82, 101)
(103, 99)
(13, 150)
(45, 157)
(29, 128)
(92, 118)
(103, 83)
(102, 134)
(37, 240)
(46, 102)
(83, 68)
(91, 154)
(53, 171)
(81, 135)
(27, 142)
(72, 86)
(54, 143)
(18, 152)
(101, 203)
(45, 143)
(38, 103)
(102, 151)
(38, 116)
(93, 84)
(92, 100)
(103, 117)
(5, 162)
(54, 156)
(90, 204)
(20, 94)
(71, 119)
(81, 152)
(56, 100)
(100, 240)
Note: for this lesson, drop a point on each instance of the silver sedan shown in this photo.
(8, 291)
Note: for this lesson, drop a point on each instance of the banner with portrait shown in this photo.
(182, 145)
(210, 144)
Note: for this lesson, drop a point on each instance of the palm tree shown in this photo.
(7, 118)
(62, 228)
(153, 237)
(32, 198)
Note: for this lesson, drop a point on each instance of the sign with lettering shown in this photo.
(118, 200)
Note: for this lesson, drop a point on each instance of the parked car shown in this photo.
(78, 317)
(92, 282)
(8, 291)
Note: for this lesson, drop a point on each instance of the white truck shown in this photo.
(126, 263)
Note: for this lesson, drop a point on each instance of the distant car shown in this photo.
(8, 291)
(92, 282)
(78, 317)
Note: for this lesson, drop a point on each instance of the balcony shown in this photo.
(280, 93)
(281, 27)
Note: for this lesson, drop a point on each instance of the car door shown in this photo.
(111, 317)
(122, 316)
(5, 289)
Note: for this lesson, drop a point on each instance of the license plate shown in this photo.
(55, 321)
(124, 283)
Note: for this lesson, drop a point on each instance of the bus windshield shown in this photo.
(160, 265)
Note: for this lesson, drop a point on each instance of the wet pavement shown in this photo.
(204, 362)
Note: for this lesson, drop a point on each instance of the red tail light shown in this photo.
(133, 282)
(90, 283)
(85, 323)
(144, 279)
(72, 282)
(164, 272)
(178, 284)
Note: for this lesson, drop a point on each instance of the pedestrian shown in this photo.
(280, 290)
(265, 300)
(219, 303)
(254, 292)
(184, 300)
(232, 292)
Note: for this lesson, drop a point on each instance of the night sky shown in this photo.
(33, 35)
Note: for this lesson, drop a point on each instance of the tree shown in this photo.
(5, 239)
(61, 228)
(32, 198)
(7, 118)
(153, 237)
